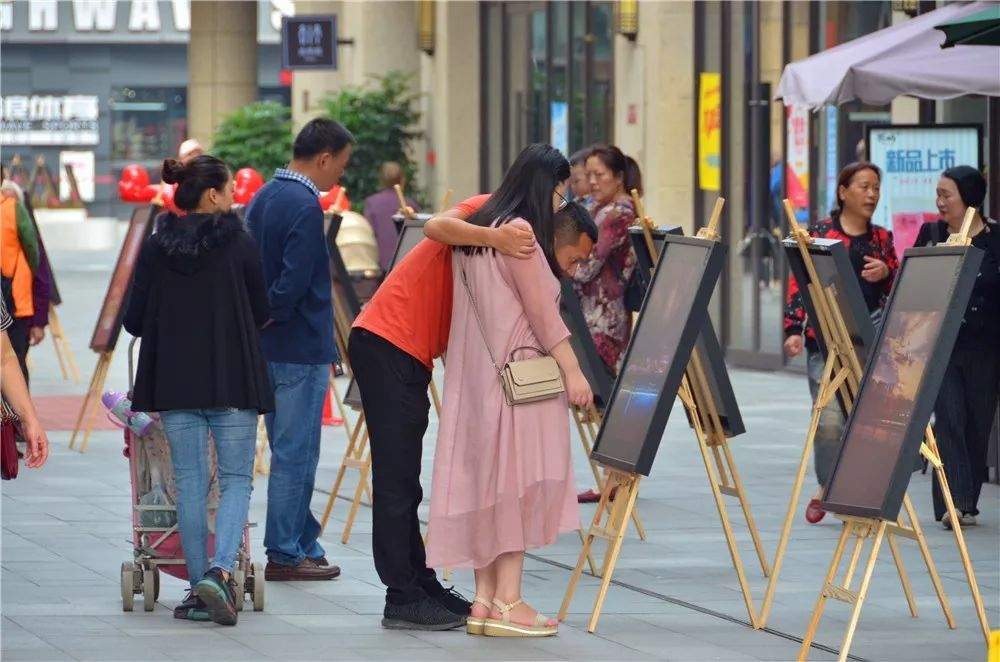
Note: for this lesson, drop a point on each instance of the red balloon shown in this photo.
(133, 182)
(246, 182)
(166, 197)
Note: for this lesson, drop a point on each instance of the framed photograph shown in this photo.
(399, 219)
(673, 313)
(881, 441)
(411, 232)
(109, 321)
(343, 287)
(836, 275)
(600, 377)
(708, 346)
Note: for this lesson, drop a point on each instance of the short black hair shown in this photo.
(321, 135)
(571, 221)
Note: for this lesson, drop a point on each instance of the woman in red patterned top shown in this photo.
(873, 257)
(601, 281)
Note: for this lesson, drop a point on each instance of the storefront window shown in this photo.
(147, 124)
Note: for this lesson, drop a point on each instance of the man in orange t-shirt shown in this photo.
(392, 348)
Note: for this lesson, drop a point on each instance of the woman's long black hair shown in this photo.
(526, 192)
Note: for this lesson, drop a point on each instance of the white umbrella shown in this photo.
(902, 59)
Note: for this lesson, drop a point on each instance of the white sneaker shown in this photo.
(965, 520)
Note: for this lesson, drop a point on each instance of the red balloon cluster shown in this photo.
(134, 187)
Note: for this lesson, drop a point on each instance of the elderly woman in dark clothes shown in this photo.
(963, 412)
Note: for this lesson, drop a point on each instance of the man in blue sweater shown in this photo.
(286, 219)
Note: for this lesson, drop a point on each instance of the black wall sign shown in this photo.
(309, 42)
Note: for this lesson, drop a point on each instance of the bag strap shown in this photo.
(475, 310)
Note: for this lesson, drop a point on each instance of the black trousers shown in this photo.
(393, 388)
(963, 417)
(18, 333)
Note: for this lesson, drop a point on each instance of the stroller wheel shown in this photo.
(156, 583)
(257, 586)
(148, 589)
(240, 577)
(128, 586)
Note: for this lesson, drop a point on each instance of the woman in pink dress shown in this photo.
(503, 478)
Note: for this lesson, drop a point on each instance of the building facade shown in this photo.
(686, 88)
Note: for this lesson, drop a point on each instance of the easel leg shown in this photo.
(852, 624)
(956, 528)
(588, 540)
(366, 466)
(590, 557)
(925, 552)
(84, 421)
(745, 505)
(831, 572)
(335, 490)
(619, 521)
(904, 578)
(793, 501)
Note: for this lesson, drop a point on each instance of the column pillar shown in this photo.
(222, 63)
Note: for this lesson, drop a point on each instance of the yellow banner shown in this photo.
(709, 131)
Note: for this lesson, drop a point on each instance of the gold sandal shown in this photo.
(475, 625)
(506, 628)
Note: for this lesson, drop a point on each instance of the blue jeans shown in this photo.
(235, 434)
(293, 431)
(826, 443)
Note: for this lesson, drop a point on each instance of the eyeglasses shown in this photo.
(562, 205)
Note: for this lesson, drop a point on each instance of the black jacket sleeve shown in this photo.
(139, 294)
(923, 236)
(253, 275)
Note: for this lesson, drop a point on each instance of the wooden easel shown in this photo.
(84, 422)
(587, 424)
(696, 397)
(863, 528)
(64, 354)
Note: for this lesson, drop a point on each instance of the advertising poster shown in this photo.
(912, 159)
(797, 171)
(709, 131)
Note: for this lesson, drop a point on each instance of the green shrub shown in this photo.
(382, 117)
(258, 136)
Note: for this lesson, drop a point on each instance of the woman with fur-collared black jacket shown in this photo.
(198, 301)
(967, 400)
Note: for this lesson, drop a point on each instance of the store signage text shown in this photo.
(49, 120)
(102, 15)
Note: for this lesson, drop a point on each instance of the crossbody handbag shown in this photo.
(528, 380)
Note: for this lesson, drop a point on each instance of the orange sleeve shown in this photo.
(470, 206)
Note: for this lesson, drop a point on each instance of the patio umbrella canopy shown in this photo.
(904, 59)
(979, 29)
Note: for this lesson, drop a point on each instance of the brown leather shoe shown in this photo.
(305, 571)
(319, 560)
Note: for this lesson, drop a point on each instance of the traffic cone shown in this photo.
(328, 417)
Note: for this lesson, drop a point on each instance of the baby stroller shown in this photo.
(156, 540)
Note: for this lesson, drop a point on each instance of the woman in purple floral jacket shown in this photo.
(601, 281)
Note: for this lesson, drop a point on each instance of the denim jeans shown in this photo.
(826, 443)
(293, 431)
(235, 434)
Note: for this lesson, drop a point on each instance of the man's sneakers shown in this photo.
(307, 570)
(423, 614)
(449, 598)
(965, 519)
(192, 608)
(219, 595)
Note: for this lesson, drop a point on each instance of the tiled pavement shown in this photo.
(66, 531)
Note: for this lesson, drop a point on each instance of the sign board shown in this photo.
(83, 171)
(912, 159)
(309, 42)
(49, 119)
(710, 131)
(797, 137)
